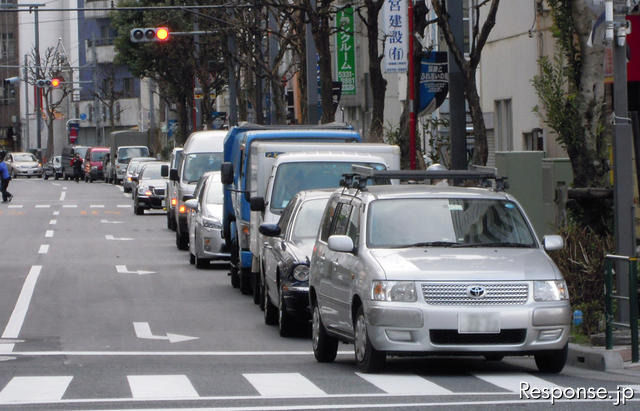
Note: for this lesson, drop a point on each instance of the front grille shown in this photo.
(452, 337)
(458, 293)
(158, 191)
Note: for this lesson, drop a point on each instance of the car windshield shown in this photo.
(442, 222)
(24, 157)
(294, 177)
(82, 151)
(127, 153)
(214, 192)
(306, 223)
(151, 172)
(98, 155)
(196, 164)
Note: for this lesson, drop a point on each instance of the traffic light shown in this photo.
(140, 35)
(42, 82)
(55, 82)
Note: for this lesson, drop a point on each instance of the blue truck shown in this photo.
(237, 176)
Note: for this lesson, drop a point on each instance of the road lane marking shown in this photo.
(63, 195)
(404, 384)
(161, 386)
(122, 269)
(120, 188)
(168, 353)
(70, 206)
(126, 195)
(12, 330)
(511, 381)
(64, 188)
(111, 237)
(43, 205)
(124, 205)
(111, 222)
(48, 234)
(96, 206)
(143, 330)
(35, 389)
(15, 206)
(56, 213)
(53, 222)
(44, 248)
(279, 384)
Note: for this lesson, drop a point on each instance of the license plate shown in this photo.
(474, 323)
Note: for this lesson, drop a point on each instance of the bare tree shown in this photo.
(53, 65)
(108, 94)
(469, 67)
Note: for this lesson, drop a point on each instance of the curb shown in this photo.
(592, 358)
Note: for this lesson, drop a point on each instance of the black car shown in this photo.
(53, 168)
(287, 250)
(149, 191)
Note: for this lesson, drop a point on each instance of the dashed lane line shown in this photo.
(43, 206)
(53, 222)
(48, 234)
(15, 206)
(63, 195)
(44, 249)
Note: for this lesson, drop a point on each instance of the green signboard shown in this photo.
(346, 51)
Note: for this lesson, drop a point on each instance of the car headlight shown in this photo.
(550, 291)
(209, 222)
(301, 272)
(394, 291)
(144, 191)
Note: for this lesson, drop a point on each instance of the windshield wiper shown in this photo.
(497, 244)
(431, 244)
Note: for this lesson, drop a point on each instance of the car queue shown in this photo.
(319, 229)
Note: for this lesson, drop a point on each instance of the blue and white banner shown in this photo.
(396, 42)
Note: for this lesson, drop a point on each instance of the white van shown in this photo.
(203, 151)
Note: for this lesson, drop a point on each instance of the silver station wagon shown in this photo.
(431, 269)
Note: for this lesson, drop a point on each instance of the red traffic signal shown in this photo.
(55, 82)
(142, 34)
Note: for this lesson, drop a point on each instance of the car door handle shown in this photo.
(268, 247)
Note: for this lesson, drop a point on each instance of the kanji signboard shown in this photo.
(395, 28)
(346, 51)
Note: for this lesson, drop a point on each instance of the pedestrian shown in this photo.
(5, 177)
(76, 163)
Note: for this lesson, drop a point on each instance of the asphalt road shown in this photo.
(80, 331)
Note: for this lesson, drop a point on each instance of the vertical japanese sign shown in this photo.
(346, 51)
(396, 42)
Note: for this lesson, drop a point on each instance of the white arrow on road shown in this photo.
(144, 331)
(110, 237)
(111, 222)
(122, 269)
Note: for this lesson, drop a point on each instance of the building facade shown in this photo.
(10, 127)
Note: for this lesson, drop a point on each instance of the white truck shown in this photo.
(278, 170)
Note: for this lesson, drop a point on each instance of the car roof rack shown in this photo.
(361, 174)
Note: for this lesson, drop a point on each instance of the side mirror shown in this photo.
(226, 173)
(164, 170)
(173, 175)
(257, 204)
(186, 198)
(341, 243)
(553, 242)
(134, 178)
(192, 204)
(269, 230)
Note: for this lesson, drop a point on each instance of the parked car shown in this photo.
(175, 159)
(150, 187)
(417, 269)
(204, 221)
(287, 250)
(93, 163)
(132, 169)
(68, 153)
(52, 168)
(23, 164)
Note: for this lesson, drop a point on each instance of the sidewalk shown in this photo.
(616, 360)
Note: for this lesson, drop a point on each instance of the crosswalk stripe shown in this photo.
(404, 384)
(70, 206)
(161, 386)
(35, 388)
(282, 384)
(15, 206)
(43, 205)
(124, 205)
(512, 381)
(96, 206)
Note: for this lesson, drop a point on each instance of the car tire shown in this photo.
(169, 220)
(138, 210)
(286, 323)
(182, 241)
(256, 287)
(245, 281)
(368, 359)
(192, 258)
(46, 177)
(551, 361)
(202, 262)
(325, 347)
(56, 177)
(270, 310)
(235, 279)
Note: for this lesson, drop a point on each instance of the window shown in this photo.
(327, 219)
(503, 125)
(353, 229)
(127, 87)
(308, 219)
(286, 216)
(341, 222)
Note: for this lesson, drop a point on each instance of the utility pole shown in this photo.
(96, 100)
(313, 111)
(622, 152)
(457, 110)
(233, 96)
(273, 50)
(26, 144)
(410, 83)
(39, 76)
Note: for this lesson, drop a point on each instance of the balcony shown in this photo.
(105, 51)
(98, 4)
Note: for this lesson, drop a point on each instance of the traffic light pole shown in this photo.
(26, 106)
(39, 92)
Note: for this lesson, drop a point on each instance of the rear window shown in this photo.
(98, 155)
(126, 154)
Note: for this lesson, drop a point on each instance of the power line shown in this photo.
(28, 8)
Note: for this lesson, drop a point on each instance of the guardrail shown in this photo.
(632, 298)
